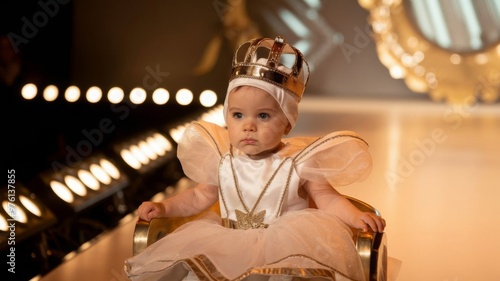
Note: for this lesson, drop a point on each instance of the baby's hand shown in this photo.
(150, 210)
(370, 220)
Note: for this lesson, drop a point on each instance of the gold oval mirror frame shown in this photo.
(457, 78)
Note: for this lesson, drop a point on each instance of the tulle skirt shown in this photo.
(300, 245)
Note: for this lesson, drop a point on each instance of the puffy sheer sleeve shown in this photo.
(200, 150)
(339, 158)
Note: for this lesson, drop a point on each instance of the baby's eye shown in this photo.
(263, 115)
(237, 115)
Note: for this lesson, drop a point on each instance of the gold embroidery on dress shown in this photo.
(211, 137)
(250, 219)
(316, 144)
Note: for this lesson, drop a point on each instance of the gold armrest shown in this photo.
(371, 246)
(147, 233)
(372, 249)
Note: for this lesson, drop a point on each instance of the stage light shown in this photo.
(75, 185)
(150, 161)
(215, 115)
(50, 93)
(24, 219)
(161, 142)
(110, 168)
(62, 191)
(139, 154)
(137, 95)
(184, 96)
(115, 95)
(4, 226)
(29, 91)
(80, 201)
(130, 159)
(177, 132)
(94, 94)
(89, 179)
(30, 205)
(146, 152)
(208, 98)
(161, 96)
(72, 94)
(100, 173)
(22, 215)
(79, 187)
(14, 211)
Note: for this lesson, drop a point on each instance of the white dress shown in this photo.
(266, 230)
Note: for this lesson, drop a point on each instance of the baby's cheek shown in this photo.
(268, 134)
(274, 130)
(269, 137)
(233, 139)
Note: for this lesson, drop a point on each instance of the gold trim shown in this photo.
(210, 135)
(376, 257)
(236, 185)
(234, 224)
(458, 78)
(304, 153)
(205, 270)
(250, 219)
(221, 194)
(292, 82)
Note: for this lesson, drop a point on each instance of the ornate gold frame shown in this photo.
(457, 78)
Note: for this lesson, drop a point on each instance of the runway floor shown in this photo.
(436, 180)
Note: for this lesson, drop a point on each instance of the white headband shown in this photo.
(287, 101)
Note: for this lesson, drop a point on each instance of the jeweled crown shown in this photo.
(271, 61)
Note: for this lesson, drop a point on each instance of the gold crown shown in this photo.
(272, 69)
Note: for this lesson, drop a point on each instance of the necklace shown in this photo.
(250, 219)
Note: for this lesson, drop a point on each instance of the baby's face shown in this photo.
(255, 121)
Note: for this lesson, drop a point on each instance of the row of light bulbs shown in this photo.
(102, 172)
(146, 150)
(98, 172)
(138, 154)
(92, 176)
(138, 95)
(18, 213)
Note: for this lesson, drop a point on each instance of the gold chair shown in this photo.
(371, 246)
